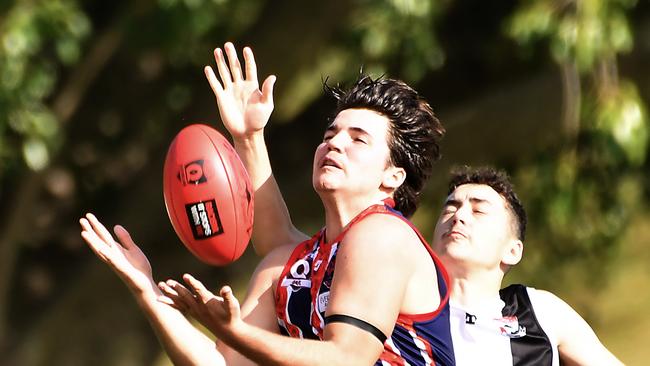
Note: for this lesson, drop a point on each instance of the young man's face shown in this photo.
(354, 154)
(475, 229)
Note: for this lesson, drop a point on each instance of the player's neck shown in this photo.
(339, 211)
(472, 288)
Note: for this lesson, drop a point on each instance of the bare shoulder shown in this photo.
(551, 302)
(278, 256)
(270, 267)
(382, 234)
(385, 251)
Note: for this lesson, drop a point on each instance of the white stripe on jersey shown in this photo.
(423, 350)
(478, 342)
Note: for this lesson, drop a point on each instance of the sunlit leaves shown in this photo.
(35, 38)
(398, 28)
(582, 196)
(35, 153)
(533, 21)
(581, 30)
(622, 115)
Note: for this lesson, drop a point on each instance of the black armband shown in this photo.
(361, 324)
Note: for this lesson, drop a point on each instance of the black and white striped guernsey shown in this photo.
(514, 329)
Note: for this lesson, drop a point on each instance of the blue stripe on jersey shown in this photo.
(435, 332)
(299, 315)
(442, 348)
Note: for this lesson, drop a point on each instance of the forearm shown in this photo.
(183, 343)
(266, 348)
(273, 226)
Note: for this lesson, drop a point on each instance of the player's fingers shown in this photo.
(168, 301)
(233, 60)
(181, 290)
(230, 301)
(167, 289)
(183, 294)
(267, 89)
(216, 86)
(251, 67)
(222, 67)
(95, 244)
(100, 229)
(203, 293)
(183, 300)
(89, 234)
(173, 302)
(85, 225)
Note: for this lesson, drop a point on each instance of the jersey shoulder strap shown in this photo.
(534, 348)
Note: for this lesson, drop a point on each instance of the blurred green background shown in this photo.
(92, 92)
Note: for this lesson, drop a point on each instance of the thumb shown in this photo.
(230, 301)
(267, 89)
(124, 237)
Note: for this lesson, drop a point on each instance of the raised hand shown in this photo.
(124, 257)
(244, 108)
(219, 314)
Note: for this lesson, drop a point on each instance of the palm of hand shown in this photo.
(213, 315)
(133, 266)
(219, 314)
(243, 108)
(125, 258)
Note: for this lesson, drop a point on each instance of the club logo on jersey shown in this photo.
(192, 173)
(509, 327)
(297, 276)
(204, 219)
(323, 301)
(470, 319)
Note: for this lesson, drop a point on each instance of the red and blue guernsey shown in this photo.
(302, 295)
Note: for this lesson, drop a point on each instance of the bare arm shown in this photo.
(245, 111)
(354, 292)
(577, 342)
(184, 344)
(258, 308)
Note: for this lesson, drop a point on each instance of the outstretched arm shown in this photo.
(354, 289)
(184, 344)
(245, 111)
(577, 342)
(258, 309)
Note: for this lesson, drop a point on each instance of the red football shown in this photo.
(208, 195)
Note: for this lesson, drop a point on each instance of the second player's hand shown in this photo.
(124, 257)
(219, 314)
(244, 107)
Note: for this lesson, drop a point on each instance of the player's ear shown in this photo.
(393, 177)
(513, 252)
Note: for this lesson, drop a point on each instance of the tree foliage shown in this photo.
(38, 39)
(583, 196)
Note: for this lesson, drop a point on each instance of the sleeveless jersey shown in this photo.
(513, 329)
(303, 290)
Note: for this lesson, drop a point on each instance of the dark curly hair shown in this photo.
(500, 182)
(414, 133)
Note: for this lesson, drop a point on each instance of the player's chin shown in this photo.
(324, 184)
